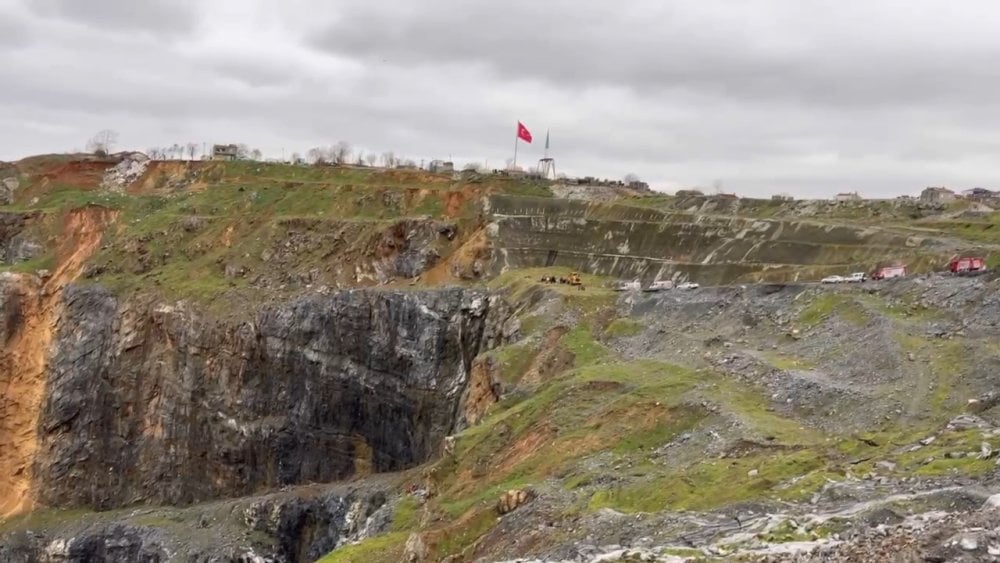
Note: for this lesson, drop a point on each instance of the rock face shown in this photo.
(15, 245)
(630, 242)
(166, 404)
(8, 186)
(276, 528)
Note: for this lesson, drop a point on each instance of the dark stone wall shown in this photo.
(149, 402)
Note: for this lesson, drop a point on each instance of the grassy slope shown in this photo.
(184, 222)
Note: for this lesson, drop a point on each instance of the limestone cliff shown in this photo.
(160, 402)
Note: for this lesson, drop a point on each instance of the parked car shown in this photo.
(660, 285)
(856, 277)
(688, 285)
(832, 279)
(627, 286)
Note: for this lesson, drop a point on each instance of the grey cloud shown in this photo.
(816, 54)
(14, 30)
(806, 97)
(253, 73)
(159, 17)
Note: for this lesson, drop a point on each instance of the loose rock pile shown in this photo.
(121, 175)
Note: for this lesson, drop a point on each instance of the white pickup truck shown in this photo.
(660, 285)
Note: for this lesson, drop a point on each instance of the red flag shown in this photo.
(523, 133)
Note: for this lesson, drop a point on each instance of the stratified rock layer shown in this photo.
(148, 402)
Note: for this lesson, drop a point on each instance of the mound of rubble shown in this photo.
(123, 174)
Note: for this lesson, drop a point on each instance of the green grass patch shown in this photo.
(458, 538)
(709, 484)
(42, 518)
(533, 324)
(962, 442)
(380, 549)
(946, 360)
(585, 349)
(514, 361)
(788, 363)
(753, 409)
(903, 309)
(406, 517)
(980, 230)
(621, 328)
(623, 408)
(829, 304)
(43, 262)
(786, 531)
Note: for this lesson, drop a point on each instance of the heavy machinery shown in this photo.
(574, 279)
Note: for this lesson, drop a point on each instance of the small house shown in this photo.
(441, 167)
(847, 196)
(225, 152)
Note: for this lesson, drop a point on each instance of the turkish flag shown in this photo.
(523, 133)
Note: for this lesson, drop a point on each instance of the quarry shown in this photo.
(268, 362)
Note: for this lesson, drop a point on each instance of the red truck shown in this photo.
(967, 265)
(889, 272)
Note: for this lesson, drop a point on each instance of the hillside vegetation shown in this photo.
(759, 417)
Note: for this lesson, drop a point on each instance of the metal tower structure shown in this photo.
(546, 164)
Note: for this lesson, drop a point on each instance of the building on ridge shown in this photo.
(938, 195)
(847, 196)
(225, 152)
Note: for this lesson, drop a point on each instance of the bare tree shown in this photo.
(103, 142)
(176, 151)
(192, 148)
(341, 152)
(389, 159)
(717, 185)
(631, 178)
(372, 159)
(256, 155)
(318, 155)
(296, 158)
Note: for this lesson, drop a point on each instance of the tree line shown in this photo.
(341, 153)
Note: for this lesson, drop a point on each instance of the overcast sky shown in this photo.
(805, 97)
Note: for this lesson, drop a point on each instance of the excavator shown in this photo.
(574, 279)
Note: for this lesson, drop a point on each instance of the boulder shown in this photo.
(992, 503)
(7, 188)
(512, 500)
(415, 550)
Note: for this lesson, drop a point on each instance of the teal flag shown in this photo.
(546, 138)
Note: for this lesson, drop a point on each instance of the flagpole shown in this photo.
(513, 166)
